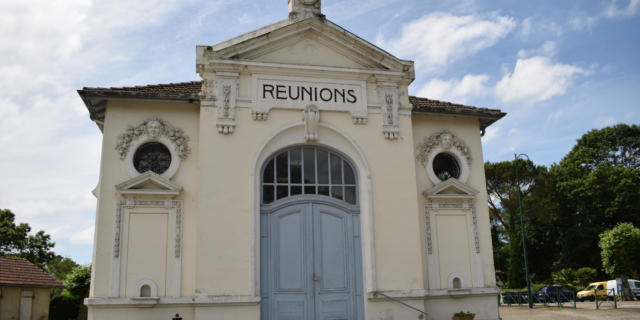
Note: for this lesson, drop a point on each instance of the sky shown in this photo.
(558, 68)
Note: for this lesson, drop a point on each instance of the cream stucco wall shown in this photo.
(10, 302)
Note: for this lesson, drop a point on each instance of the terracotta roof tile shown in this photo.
(189, 91)
(20, 272)
(180, 87)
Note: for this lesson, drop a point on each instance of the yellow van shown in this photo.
(588, 292)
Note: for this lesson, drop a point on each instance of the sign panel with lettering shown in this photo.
(296, 93)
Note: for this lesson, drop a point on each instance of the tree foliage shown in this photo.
(620, 250)
(596, 185)
(15, 240)
(505, 219)
(574, 278)
(68, 303)
(566, 207)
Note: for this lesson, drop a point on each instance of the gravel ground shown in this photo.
(584, 311)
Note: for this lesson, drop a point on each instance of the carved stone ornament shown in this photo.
(154, 128)
(445, 140)
(302, 9)
(388, 96)
(311, 118)
(226, 102)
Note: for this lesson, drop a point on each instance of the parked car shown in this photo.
(588, 293)
(554, 294)
(612, 288)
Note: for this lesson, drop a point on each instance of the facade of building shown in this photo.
(25, 290)
(297, 180)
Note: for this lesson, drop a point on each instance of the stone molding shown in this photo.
(452, 195)
(430, 293)
(180, 300)
(174, 209)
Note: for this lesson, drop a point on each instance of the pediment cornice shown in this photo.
(452, 188)
(149, 184)
(251, 46)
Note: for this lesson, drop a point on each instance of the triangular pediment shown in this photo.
(149, 183)
(452, 188)
(313, 42)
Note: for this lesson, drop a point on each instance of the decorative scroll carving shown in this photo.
(476, 238)
(388, 96)
(178, 206)
(427, 216)
(227, 93)
(444, 139)
(117, 230)
(311, 118)
(154, 128)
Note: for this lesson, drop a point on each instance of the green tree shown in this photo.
(505, 219)
(69, 303)
(15, 240)
(620, 250)
(597, 185)
(576, 279)
(60, 267)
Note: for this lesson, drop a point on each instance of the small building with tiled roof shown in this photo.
(25, 290)
(298, 179)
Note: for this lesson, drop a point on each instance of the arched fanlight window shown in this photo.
(308, 171)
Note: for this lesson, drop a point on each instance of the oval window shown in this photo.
(153, 156)
(446, 166)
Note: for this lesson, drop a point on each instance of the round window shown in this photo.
(152, 156)
(446, 166)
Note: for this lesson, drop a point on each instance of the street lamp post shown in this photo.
(524, 243)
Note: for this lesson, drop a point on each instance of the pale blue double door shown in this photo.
(311, 263)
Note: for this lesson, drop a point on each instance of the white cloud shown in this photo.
(536, 79)
(456, 90)
(622, 9)
(548, 49)
(50, 149)
(531, 26)
(437, 39)
(580, 21)
(85, 236)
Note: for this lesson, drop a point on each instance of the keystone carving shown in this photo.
(154, 128)
(311, 118)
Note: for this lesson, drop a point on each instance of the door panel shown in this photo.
(331, 248)
(290, 261)
(309, 254)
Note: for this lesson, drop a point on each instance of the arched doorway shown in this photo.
(310, 252)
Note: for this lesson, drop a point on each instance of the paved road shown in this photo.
(584, 311)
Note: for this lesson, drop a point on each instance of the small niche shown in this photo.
(456, 283)
(145, 291)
